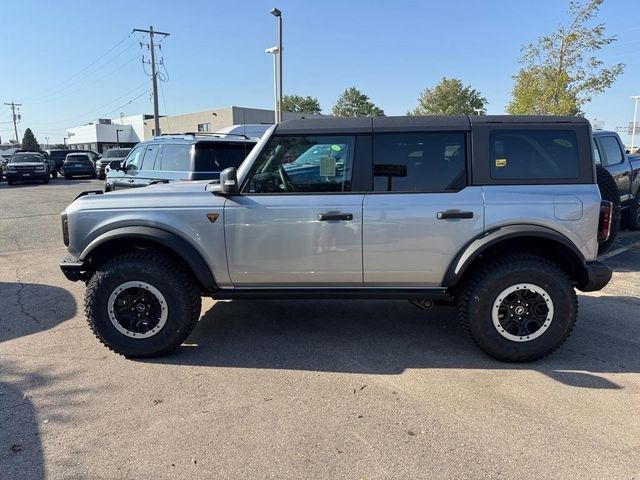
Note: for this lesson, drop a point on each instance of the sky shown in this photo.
(71, 62)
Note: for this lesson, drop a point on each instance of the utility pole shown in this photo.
(17, 117)
(154, 74)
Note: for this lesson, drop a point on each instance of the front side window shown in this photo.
(150, 157)
(612, 151)
(317, 164)
(176, 157)
(134, 160)
(533, 154)
(419, 162)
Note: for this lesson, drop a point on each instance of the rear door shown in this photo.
(613, 157)
(421, 211)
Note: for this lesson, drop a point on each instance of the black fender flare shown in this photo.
(173, 242)
(482, 242)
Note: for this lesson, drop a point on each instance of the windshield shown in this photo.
(116, 153)
(19, 158)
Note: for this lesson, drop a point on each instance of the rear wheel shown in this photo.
(142, 304)
(634, 213)
(609, 191)
(518, 309)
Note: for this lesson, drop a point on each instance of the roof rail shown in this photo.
(213, 134)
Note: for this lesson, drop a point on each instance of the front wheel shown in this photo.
(142, 304)
(518, 309)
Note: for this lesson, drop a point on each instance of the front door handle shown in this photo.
(324, 217)
(452, 214)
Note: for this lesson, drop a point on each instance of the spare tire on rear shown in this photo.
(609, 191)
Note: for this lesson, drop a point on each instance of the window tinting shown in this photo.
(611, 150)
(304, 164)
(176, 158)
(533, 154)
(419, 162)
(216, 156)
(596, 153)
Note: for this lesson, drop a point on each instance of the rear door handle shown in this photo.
(451, 214)
(324, 217)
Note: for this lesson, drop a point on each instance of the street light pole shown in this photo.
(277, 13)
(635, 114)
(274, 51)
(118, 130)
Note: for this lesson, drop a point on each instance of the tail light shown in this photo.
(65, 229)
(606, 219)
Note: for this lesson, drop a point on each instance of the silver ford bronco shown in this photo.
(499, 216)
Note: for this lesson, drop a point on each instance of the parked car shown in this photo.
(177, 157)
(78, 164)
(497, 215)
(59, 155)
(26, 166)
(108, 157)
(625, 170)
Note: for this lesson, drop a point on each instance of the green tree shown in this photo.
(300, 104)
(354, 103)
(560, 72)
(29, 141)
(450, 97)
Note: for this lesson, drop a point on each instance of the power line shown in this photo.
(154, 74)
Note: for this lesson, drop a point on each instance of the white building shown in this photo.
(108, 133)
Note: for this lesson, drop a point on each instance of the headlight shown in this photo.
(11, 168)
(39, 168)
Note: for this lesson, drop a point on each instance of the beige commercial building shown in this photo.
(127, 131)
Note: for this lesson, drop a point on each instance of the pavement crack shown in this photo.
(23, 310)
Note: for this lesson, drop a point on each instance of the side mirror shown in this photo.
(228, 181)
(115, 165)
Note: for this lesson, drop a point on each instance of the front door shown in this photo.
(297, 222)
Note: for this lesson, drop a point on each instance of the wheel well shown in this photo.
(118, 246)
(552, 250)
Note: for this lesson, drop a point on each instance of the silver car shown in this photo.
(498, 216)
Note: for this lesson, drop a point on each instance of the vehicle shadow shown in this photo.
(21, 454)
(387, 337)
(29, 308)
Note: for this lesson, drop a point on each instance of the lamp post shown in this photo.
(46, 139)
(278, 14)
(118, 130)
(274, 51)
(635, 114)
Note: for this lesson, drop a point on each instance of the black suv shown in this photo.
(178, 157)
(108, 157)
(58, 157)
(28, 167)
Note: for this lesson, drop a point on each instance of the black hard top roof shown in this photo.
(324, 125)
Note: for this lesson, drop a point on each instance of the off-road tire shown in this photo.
(609, 191)
(46, 180)
(174, 282)
(54, 174)
(477, 296)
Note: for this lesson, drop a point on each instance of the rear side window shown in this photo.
(611, 149)
(419, 162)
(533, 154)
(216, 156)
(176, 158)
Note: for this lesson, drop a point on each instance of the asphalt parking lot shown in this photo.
(299, 389)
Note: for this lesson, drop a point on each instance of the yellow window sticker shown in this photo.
(328, 167)
(501, 162)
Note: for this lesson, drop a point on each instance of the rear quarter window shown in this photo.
(534, 154)
(216, 156)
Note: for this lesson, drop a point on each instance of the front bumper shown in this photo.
(597, 276)
(26, 176)
(74, 269)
